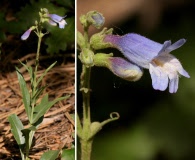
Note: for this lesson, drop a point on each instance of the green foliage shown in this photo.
(16, 128)
(25, 94)
(68, 154)
(59, 40)
(66, 3)
(50, 155)
(43, 107)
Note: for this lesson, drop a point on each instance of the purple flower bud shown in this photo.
(26, 34)
(124, 69)
(52, 23)
(58, 20)
(98, 20)
(119, 66)
(164, 67)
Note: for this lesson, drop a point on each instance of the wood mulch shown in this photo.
(57, 128)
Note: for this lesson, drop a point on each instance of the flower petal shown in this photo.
(62, 23)
(173, 84)
(176, 45)
(136, 48)
(55, 17)
(52, 23)
(164, 47)
(159, 78)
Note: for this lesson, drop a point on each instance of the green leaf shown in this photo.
(43, 107)
(16, 127)
(68, 154)
(38, 93)
(50, 155)
(30, 71)
(59, 39)
(45, 72)
(25, 93)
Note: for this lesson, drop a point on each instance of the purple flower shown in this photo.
(163, 67)
(124, 69)
(26, 34)
(119, 66)
(56, 19)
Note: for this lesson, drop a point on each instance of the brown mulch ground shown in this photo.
(57, 128)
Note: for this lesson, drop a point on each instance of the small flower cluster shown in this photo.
(140, 52)
(45, 16)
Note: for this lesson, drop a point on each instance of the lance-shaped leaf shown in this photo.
(43, 107)
(16, 127)
(38, 92)
(30, 71)
(45, 72)
(25, 93)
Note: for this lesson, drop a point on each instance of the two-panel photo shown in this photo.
(97, 80)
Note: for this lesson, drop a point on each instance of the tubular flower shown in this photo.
(56, 19)
(119, 66)
(164, 68)
(26, 34)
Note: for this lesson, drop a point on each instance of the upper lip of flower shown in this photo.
(56, 18)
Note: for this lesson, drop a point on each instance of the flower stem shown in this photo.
(34, 88)
(86, 149)
(86, 143)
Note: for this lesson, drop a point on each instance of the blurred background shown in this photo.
(153, 125)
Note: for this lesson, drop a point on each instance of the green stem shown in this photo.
(35, 73)
(33, 103)
(86, 142)
(86, 147)
(38, 52)
(84, 131)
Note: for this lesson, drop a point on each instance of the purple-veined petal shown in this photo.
(136, 48)
(176, 45)
(55, 17)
